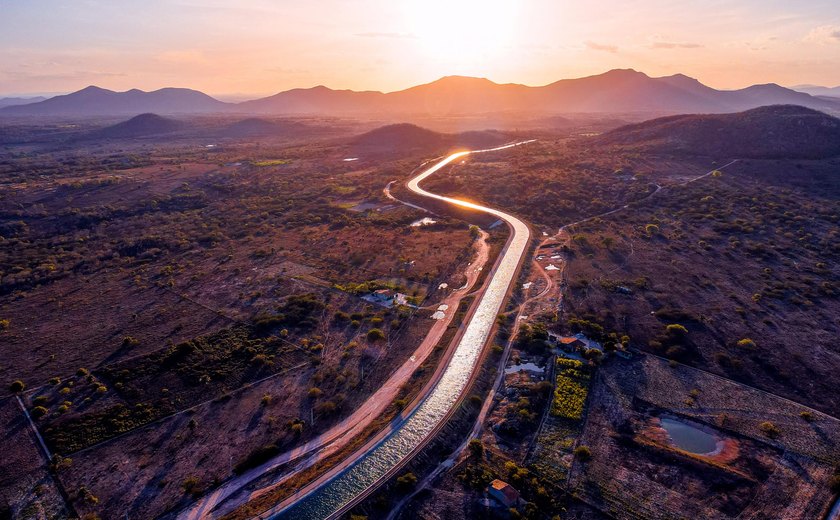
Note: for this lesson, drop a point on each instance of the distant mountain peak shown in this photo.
(92, 89)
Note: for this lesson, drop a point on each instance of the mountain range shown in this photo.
(11, 101)
(816, 90)
(616, 91)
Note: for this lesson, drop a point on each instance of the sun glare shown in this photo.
(462, 31)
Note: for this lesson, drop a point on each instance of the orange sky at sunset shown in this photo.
(261, 47)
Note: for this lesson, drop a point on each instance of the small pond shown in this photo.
(689, 438)
(528, 367)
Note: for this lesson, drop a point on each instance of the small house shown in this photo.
(503, 493)
(386, 298)
(570, 343)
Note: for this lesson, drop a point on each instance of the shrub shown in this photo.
(129, 342)
(476, 448)
(652, 229)
(583, 453)
(326, 408)
(806, 416)
(191, 485)
(675, 330)
(315, 392)
(375, 335)
(746, 343)
(407, 481)
(17, 386)
(769, 429)
(266, 400)
(39, 411)
(4, 324)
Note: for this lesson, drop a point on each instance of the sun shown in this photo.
(461, 31)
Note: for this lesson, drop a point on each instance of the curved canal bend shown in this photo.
(335, 495)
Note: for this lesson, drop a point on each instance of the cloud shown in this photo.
(184, 57)
(674, 45)
(600, 47)
(825, 34)
(391, 35)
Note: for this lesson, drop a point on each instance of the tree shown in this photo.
(17, 386)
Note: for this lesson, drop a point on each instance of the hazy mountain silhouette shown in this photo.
(616, 91)
(12, 101)
(99, 101)
(781, 131)
(139, 126)
(815, 90)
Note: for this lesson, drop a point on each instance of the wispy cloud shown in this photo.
(600, 47)
(392, 35)
(824, 34)
(674, 45)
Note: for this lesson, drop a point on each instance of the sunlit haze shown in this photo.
(262, 47)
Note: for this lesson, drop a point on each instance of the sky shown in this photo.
(259, 47)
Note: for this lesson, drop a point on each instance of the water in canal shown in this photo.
(367, 471)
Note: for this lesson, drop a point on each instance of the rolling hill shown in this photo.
(405, 136)
(781, 131)
(139, 126)
(95, 101)
(253, 127)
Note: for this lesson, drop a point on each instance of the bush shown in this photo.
(746, 343)
(675, 330)
(17, 386)
(39, 411)
(769, 429)
(375, 335)
(191, 485)
(407, 481)
(326, 408)
(583, 453)
(476, 448)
